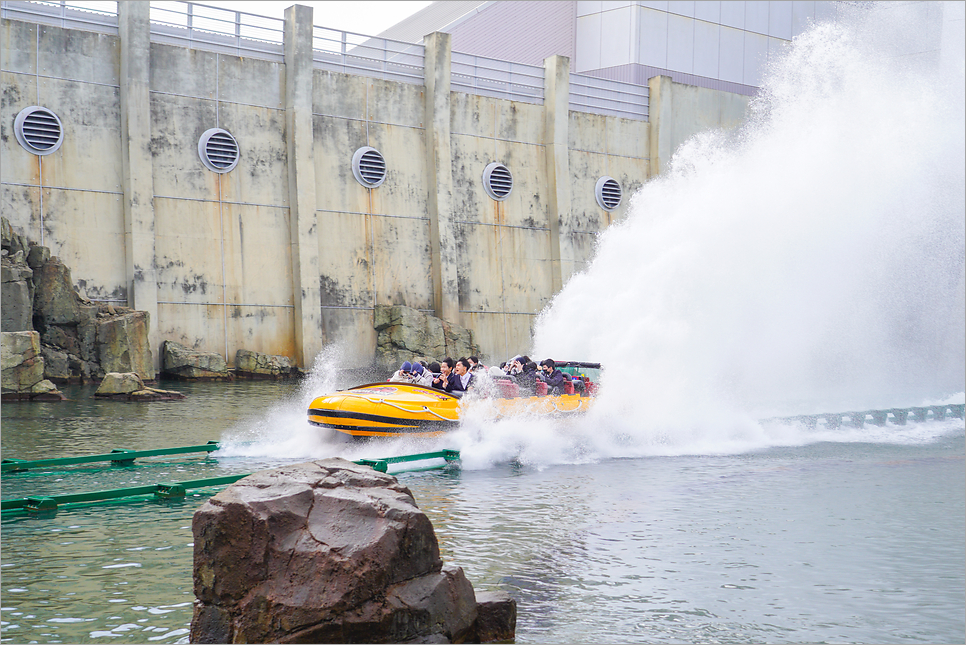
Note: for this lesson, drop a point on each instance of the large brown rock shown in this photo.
(123, 344)
(22, 368)
(180, 362)
(16, 294)
(324, 551)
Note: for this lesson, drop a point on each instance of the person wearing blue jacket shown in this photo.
(549, 374)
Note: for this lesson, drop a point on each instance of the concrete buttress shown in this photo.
(305, 232)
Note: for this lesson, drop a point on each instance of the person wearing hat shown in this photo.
(421, 375)
(404, 374)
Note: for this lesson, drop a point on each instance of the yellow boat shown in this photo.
(387, 409)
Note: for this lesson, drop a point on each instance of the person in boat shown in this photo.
(464, 369)
(553, 377)
(475, 365)
(404, 374)
(441, 381)
(527, 379)
(421, 375)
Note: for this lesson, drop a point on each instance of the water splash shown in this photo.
(811, 261)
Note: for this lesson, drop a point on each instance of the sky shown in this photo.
(367, 17)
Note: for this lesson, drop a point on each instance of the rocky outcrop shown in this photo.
(129, 387)
(405, 334)
(323, 552)
(22, 368)
(253, 365)
(183, 363)
(80, 340)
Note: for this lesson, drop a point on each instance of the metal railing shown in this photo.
(89, 16)
(225, 31)
(229, 31)
(497, 78)
(350, 53)
(604, 96)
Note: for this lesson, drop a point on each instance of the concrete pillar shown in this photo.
(556, 107)
(303, 219)
(660, 117)
(136, 161)
(439, 170)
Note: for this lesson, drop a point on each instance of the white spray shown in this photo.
(813, 261)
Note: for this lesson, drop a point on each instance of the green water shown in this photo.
(851, 541)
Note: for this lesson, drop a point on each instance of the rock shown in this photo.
(496, 619)
(323, 551)
(182, 363)
(16, 296)
(249, 364)
(123, 345)
(405, 334)
(129, 387)
(55, 301)
(117, 383)
(57, 364)
(22, 367)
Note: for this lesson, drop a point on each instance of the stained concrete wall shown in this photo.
(240, 260)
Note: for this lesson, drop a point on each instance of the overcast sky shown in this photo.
(367, 17)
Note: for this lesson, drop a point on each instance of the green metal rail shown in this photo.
(178, 490)
(116, 456)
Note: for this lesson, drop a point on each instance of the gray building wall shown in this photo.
(288, 252)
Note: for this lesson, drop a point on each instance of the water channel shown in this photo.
(859, 539)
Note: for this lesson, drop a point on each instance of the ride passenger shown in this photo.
(475, 365)
(403, 374)
(463, 370)
(421, 376)
(445, 371)
(553, 377)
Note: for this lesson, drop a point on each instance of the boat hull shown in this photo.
(403, 409)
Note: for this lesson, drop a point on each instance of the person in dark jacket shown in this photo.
(446, 375)
(553, 377)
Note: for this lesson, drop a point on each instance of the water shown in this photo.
(811, 262)
(855, 540)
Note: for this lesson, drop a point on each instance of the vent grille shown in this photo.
(369, 167)
(38, 130)
(218, 150)
(497, 181)
(609, 193)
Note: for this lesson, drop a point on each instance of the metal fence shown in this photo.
(89, 16)
(604, 96)
(226, 31)
(239, 33)
(344, 51)
(497, 78)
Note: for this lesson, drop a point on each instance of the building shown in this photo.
(265, 184)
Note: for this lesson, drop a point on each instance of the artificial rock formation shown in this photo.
(129, 387)
(80, 341)
(329, 552)
(183, 363)
(405, 334)
(22, 372)
(249, 364)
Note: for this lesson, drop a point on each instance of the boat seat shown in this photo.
(568, 386)
(541, 388)
(507, 389)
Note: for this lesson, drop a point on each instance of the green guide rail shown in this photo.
(177, 490)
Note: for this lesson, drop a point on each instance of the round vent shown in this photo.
(218, 150)
(497, 181)
(38, 130)
(608, 193)
(368, 167)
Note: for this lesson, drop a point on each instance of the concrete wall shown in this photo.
(288, 252)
